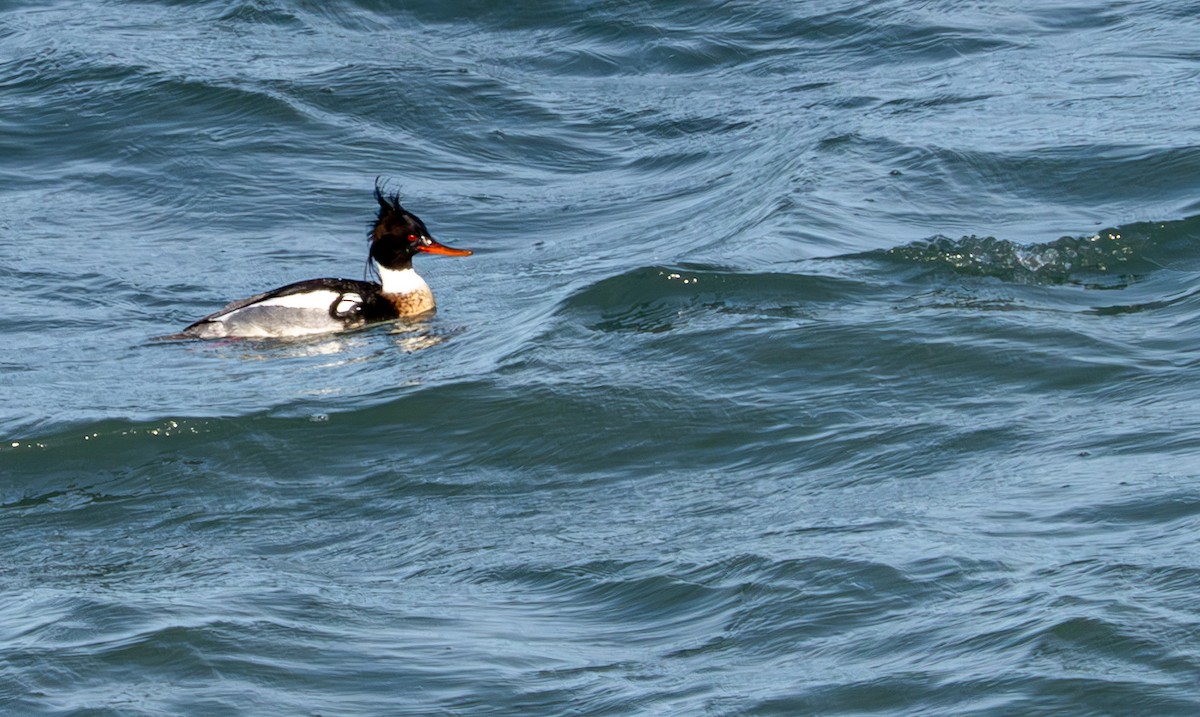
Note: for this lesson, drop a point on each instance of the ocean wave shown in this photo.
(657, 298)
(1110, 258)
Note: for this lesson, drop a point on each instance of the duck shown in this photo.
(320, 306)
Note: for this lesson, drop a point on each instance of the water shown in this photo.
(815, 358)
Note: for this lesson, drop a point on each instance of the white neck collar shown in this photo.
(400, 281)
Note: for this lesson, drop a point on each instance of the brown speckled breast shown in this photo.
(412, 303)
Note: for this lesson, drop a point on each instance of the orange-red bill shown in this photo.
(434, 248)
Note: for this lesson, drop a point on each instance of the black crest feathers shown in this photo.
(391, 215)
(388, 203)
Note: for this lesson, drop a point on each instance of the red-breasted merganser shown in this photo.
(318, 306)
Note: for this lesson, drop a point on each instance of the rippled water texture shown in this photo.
(815, 358)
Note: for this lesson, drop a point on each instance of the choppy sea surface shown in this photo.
(815, 358)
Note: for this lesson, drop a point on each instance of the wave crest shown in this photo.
(1117, 253)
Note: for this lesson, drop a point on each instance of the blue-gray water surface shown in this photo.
(833, 357)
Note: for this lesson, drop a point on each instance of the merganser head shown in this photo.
(398, 235)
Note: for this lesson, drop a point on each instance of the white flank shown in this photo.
(320, 299)
(301, 314)
(284, 332)
(404, 281)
